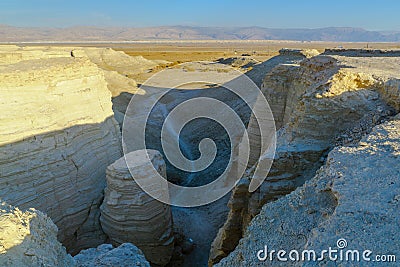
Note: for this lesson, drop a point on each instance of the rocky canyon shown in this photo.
(70, 183)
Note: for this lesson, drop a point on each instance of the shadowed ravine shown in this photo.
(334, 174)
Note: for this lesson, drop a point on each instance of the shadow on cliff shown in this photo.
(256, 74)
(62, 173)
(258, 71)
(320, 124)
(197, 129)
(193, 132)
(200, 223)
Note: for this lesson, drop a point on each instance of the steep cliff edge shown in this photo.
(327, 101)
(58, 135)
(317, 104)
(354, 196)
(120, 70)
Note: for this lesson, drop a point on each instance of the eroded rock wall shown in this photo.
(354, 196)
(57, 137)
(321, 102)
(120, 70)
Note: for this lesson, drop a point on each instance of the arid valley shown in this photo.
(71, 160)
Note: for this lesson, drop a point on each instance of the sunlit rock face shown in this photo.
(128, 214)
(57, 137)
(29, 238)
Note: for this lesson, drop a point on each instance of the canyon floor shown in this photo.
(65, 187)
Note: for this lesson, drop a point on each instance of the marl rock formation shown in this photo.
(128, 214)
(57, 136)
(355, 196)
(317, 104)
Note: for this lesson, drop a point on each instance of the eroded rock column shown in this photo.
(128, 214)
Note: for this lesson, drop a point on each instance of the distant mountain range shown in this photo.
(85, 34)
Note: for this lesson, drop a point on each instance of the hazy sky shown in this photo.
(368, 14)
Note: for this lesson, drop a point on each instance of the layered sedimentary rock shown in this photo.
(323, 101)
(29, 238)
(106, 255)
(11, 54)
(128, 214)
(228, 235)
(57, 136)
(105, 58)
(119, 69)
(124, 64)
(354, 196)
(327, 100)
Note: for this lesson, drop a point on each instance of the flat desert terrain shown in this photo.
(184, 51)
